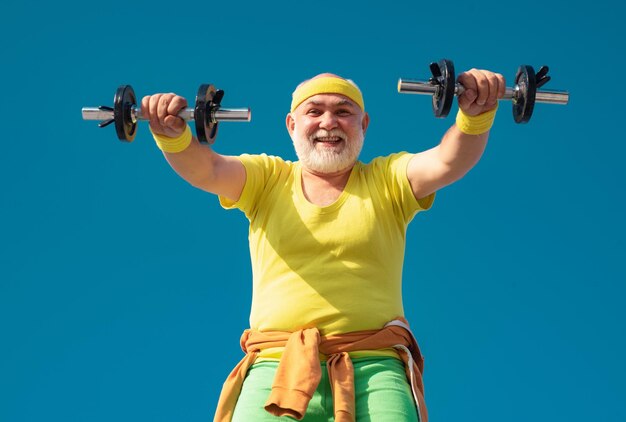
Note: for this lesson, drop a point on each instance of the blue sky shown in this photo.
(123, 291)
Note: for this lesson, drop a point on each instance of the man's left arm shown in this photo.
(459, 151)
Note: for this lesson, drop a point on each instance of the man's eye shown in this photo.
(313, 111)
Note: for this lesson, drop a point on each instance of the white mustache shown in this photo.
(334, 133)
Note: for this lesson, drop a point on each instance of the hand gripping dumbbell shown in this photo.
(443, 87)
(206, 113)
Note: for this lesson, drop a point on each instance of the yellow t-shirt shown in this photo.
(337, 268)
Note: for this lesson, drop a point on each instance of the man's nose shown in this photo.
(328, 121)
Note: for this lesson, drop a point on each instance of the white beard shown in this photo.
(327, 160)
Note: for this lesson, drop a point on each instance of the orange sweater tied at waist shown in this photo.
(299, 370)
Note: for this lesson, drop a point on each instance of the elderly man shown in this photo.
(327, 337)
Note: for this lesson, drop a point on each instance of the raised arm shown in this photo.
(199, 165)
(458, 152)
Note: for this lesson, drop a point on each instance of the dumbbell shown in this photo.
(207, 113)
(443, 87)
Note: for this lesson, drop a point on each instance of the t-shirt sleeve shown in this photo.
(395, 168)
(261, 170)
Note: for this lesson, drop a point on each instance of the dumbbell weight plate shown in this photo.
(443, 98)
(524, 99)
(123, 101)
(206, 129)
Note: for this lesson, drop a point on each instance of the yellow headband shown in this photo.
(326, 85)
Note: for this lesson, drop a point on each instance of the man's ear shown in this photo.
(291, 123)
(366, 122)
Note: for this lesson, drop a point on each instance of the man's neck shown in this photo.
(323, 189)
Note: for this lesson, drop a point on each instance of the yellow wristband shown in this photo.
(178, 144)
(475, 125)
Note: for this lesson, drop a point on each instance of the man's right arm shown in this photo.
(199, 165)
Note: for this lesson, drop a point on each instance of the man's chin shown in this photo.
(330, 167)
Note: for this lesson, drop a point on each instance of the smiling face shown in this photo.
(327, 132)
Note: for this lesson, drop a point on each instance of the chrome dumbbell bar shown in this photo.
(206, 114)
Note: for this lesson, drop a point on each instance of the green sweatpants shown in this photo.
(382, 394)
